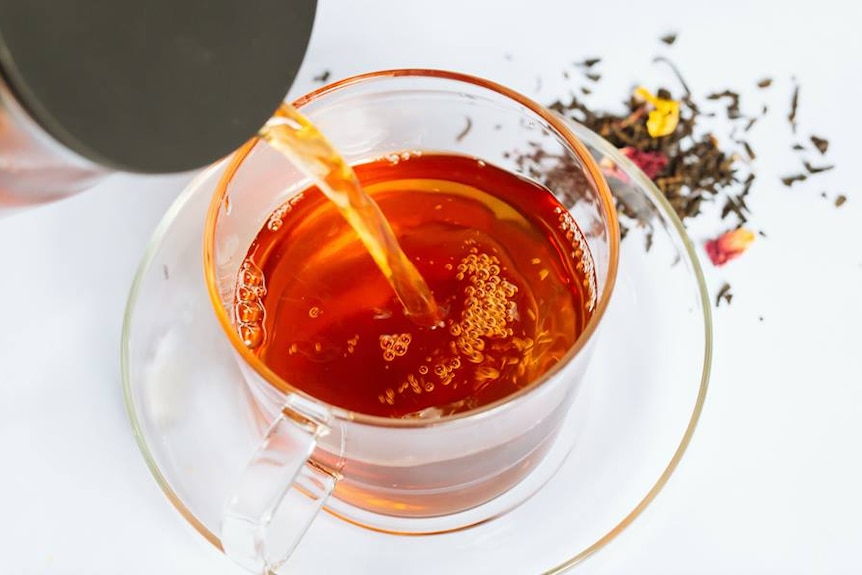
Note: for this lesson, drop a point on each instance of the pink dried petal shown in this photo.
(729, 245)
(650, 163)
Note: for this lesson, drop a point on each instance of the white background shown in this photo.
(771, 481)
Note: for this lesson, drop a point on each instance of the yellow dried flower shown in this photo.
(664, 117)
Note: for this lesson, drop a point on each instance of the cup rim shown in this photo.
(221, 194)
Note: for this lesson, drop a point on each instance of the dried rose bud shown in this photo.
(650, 163)
(729, 245)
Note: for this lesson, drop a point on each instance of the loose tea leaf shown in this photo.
(750, 124)
(322, 77)
(593, 77)
(735, 203)
(723, 294)
(839, 201)
(680, 79)
(816, 169)
(648, 240)
(794, 105)
(790, 180)
(798, 147)
(588, 63)
(668, 39)
(463, 133)
(765, 83)
(821, 144)
(733, 107)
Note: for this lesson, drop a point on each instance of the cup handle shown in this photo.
(280, 484)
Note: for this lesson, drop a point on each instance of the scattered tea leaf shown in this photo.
(723, 294)
(839, 201)
(593, 77)
(624, 231)
(675, 70)
(821, 144)
(732, 107)
(668, 39)
(816, 169)
(794, 106)
(746, 186)
(736, 205)
(750, 124)
(463, 133)
(764, 83)
(748, 149)
(588, 63)
(322, 77)
(798, 147)
(733, 206)
(586, 91)
(790, 180)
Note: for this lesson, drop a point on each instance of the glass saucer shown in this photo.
(645, 390)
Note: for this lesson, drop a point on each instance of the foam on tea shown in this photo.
(510, 274)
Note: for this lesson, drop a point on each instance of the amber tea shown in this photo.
(510, 275)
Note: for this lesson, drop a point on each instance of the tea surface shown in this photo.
(506, 264)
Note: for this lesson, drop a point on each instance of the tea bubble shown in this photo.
(252, 335)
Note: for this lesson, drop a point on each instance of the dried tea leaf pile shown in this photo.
(663, 135)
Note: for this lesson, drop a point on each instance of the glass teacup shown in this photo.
(397, 475)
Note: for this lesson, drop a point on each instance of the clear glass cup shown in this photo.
(397, 475)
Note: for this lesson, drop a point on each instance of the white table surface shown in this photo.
(770, 483)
